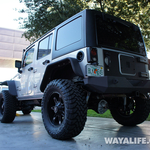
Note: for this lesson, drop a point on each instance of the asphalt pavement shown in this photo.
(27, 132)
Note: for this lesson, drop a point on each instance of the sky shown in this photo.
(7, 16)
(8, 13)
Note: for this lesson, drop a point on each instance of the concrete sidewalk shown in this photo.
(27, 132)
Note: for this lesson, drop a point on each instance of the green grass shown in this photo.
(36, 110)
(148, 119)
(92, 113)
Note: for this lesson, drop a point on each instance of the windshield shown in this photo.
(119, 34)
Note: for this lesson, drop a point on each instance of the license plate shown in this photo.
(95, 70)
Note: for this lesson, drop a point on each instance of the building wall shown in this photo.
(12, 44)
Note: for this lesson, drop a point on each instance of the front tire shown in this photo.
(136, 111)
(7, 107)
(64, 109)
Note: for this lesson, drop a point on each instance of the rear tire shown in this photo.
(64, 109)
(26, 111)
(137, 111)
(7, 107)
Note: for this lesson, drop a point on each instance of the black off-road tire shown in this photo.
(140, 114)
(7, 107)
(26, 111)
(64, 109)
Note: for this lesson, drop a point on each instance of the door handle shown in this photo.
(34, 70)
(46, 62)
(31, 68)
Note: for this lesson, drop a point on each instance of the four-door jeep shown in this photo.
(90, 61)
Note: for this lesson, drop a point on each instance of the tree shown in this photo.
(135, 11)
(44, 15)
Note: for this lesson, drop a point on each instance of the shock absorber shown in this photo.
(125, 103)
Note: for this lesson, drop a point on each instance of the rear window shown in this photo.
(118, 34)
(69, 33)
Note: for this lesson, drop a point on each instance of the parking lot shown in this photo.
(28, 132)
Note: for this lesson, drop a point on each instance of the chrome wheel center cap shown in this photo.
(55, 109)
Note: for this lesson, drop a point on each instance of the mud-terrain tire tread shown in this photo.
(75, 109)
(9, 107)
(140, 115)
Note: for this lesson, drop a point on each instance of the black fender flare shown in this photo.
(48, 72)
(11, 86)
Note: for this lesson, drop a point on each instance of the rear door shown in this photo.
(43, 58)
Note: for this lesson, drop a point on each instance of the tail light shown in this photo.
(92, 55)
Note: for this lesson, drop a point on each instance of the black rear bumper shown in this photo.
(116, 85)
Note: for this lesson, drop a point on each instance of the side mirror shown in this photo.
(18, 65)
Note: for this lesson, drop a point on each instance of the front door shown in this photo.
(27, 73)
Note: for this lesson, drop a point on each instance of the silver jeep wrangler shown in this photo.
(90, 61)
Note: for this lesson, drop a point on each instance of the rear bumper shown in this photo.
(111, 84)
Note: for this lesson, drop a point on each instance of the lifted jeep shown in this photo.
(90, 61)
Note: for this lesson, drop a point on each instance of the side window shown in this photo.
(69, 33)
(28, 59)
(44, 47)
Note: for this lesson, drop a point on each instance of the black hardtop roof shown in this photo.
(74, 16)
(95, 12)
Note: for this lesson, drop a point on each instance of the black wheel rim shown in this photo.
(56, 109)
(2, 106)
(129, 109)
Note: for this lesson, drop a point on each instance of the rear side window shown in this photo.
(44, 47)
(69, 33)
